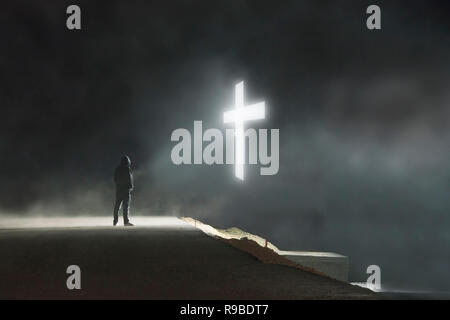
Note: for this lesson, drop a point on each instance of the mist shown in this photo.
(364, 157)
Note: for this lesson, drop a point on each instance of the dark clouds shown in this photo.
(363, 118)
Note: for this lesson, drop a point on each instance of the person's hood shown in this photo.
(125, 161)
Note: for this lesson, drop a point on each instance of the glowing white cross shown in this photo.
(240, 114)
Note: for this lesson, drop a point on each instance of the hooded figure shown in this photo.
(124, 186)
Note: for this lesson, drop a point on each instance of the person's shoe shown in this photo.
(128, 224)
(114, 223)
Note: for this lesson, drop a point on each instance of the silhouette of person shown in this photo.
(124, 185)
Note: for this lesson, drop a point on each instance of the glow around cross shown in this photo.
(238, 116)
(230, 149)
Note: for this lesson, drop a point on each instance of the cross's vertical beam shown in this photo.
(240, 139)
(238, 116)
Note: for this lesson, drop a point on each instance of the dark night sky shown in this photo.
(363, 119)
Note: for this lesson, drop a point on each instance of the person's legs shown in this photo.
(126, 206)
(117, 208)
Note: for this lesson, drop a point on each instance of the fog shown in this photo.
(363, 117)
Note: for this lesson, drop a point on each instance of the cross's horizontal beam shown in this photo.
(255, 111)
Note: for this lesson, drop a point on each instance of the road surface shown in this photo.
(164, 258)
